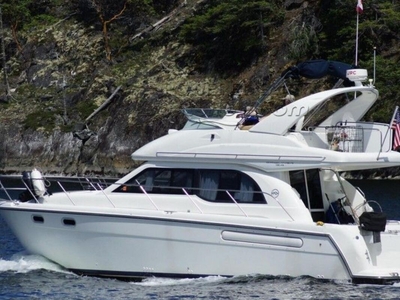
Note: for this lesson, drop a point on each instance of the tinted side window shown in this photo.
(229, 181)
(214, 185)
(210, 185)
(160, 181)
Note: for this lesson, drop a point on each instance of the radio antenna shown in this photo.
(374, 64)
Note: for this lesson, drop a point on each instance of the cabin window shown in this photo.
(160, 181)
(210, 185)
(307, 184)
(208, 181)
(213, 185)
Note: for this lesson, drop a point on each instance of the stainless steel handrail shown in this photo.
(191, 199)
(144, 192)
(233, 199)
(272, 157)
(5, 190)
(142, 189)
(66, 193)
(359, 126)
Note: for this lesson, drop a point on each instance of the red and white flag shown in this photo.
(396, 131)
(359, 7)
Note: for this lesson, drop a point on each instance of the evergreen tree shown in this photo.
(231, 33)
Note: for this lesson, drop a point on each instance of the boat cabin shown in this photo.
(213, 189)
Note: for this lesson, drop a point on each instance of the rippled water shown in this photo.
(28, 277)
(24, 276)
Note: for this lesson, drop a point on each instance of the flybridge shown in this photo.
(297, 116)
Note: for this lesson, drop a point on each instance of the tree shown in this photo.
(378, 26)
(231, 33)
(16, 13)
(107, 13)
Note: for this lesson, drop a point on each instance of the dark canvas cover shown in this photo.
(319, 68)
(373, 221)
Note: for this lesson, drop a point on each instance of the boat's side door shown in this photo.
(308, 185)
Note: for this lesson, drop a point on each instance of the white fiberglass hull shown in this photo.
(171, 244)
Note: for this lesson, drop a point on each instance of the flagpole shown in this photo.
(394, 115)
(356, 60)
(396, 131)
(359, 10)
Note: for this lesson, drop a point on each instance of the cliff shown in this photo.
(61, 76)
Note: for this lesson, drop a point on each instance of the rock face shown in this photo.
(145, 108)
(61, 76)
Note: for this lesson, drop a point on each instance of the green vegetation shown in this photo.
(40, 119)
(227, 37)
(387, 81)
(85, 108)
(230, 34)
(378, 27)
(303, 36)
(303, 39)
(16, 14)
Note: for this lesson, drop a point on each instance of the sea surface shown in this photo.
(26, 276)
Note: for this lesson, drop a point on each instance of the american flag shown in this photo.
(396, 128)
(359, 7)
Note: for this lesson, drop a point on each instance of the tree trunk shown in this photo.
(3, 57)
(14, 34)
(105, 39)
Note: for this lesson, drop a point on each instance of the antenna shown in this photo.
(374, 64)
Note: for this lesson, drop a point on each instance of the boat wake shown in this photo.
(24, 263)
(154, 281)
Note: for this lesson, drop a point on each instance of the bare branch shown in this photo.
(105, 23)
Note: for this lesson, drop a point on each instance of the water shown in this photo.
(25, 276)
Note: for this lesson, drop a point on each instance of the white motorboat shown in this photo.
(217, 199)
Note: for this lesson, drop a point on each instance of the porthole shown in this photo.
(38, 219)
(69, 222)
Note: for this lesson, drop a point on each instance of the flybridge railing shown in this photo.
(231, 196)
(346, 138)
(356, 137)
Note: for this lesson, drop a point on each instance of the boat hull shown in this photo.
(106, 244)
(169, 244)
